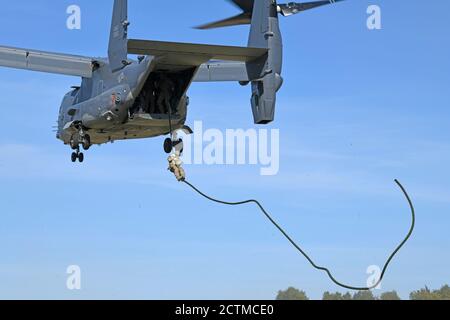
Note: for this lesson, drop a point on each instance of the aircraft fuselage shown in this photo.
(122, 105)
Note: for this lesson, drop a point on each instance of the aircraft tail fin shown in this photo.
(117, 51)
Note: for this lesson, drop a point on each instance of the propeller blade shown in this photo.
(292, 8)
(243, 18)
(245, 5)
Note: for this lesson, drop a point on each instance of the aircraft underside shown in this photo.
(159, 109)
(140, 126)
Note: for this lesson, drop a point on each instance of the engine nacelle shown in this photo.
(264, 96)
(266, 71)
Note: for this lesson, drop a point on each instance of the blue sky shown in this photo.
(359, 108)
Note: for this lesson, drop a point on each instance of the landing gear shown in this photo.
(81, 139)
(179, 146)
(73, 144)
(86, 142)
(77, 156)
(170, 144)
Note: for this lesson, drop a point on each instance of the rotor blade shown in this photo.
(245, 5)
(294, 8)
(243, 18)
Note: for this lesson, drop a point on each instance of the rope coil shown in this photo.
(304, 254)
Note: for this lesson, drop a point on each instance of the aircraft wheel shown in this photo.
(74, 157)
(81, 157)
(87, 143)
(168, 145)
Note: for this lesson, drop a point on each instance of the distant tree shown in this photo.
(347, 296)
(392, 296)
(332, 296)
(364, 295)
(443, 293)
(292, 294)
(424, 294)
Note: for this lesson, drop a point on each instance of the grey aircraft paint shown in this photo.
(117, 96)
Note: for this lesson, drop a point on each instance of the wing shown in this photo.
(46, 62)
(190, 54)
(216, 71)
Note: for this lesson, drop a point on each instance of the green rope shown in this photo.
(299, 249)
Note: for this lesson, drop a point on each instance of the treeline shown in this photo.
(422, 294)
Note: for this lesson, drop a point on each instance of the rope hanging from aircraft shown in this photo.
(175, 167)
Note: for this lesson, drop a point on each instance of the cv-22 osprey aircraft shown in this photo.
(121, 99)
